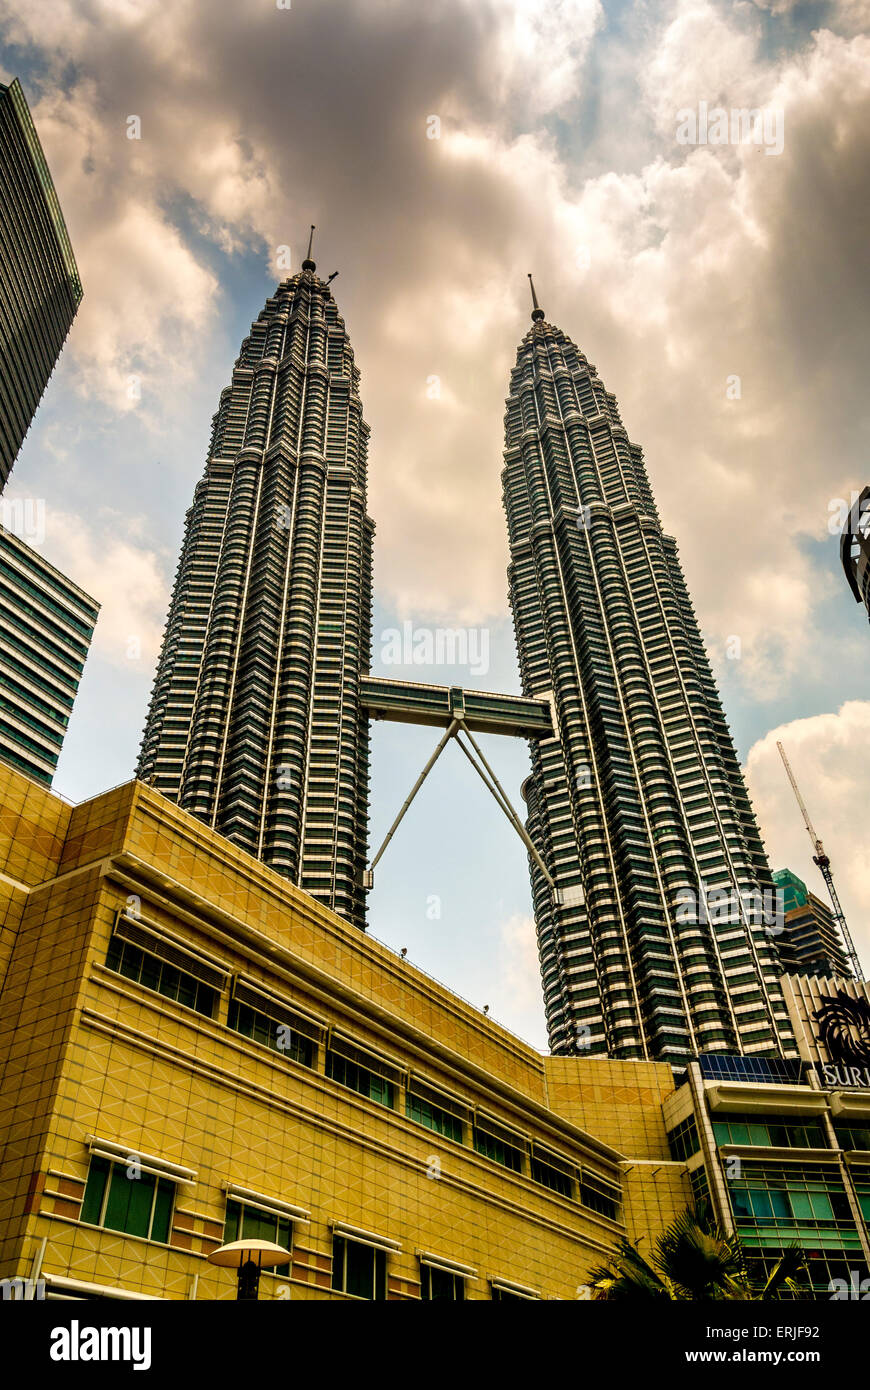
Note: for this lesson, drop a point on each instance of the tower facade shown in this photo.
(810, 943)
(46, 626)
(658, 942)
(255, 724)
(40, 289)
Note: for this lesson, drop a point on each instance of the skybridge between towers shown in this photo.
(461, 712)
(407, 702)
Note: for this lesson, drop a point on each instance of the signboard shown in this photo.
(843, 1023)
(835, 1075)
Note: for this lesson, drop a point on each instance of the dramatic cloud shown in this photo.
(722, 291)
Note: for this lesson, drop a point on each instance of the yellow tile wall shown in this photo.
(85, 1052)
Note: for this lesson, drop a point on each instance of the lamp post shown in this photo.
(249, 1257)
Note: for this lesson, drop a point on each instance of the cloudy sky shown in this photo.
(723, 291)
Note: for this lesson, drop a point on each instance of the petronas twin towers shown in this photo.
(648, 874)
(255, 723)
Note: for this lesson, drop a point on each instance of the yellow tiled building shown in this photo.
(192, 1050)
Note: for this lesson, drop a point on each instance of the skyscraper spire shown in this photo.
(537, 312)
(308, 263)
(256, 724)
(639, 805)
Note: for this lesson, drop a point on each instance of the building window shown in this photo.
(830, 1274)
(498, 1150)
(245, 1222)
(778, 1204)
(699, 1184)
(553, 1178)
(281, 1037)
(776, 1132)
(118, 1201)
(359, 1078)
(716, 1065)
(357, 1269)
(153, 973)
(599, 1197)
(441, 1283)
(853, 1136)
(683, 1140)
(424, 1112)
(861, 1180)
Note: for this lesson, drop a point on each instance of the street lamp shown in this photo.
(249, 1257)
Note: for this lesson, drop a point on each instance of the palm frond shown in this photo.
(627, 1275)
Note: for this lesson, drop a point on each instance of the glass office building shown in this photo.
(40, 289)
(46, 625)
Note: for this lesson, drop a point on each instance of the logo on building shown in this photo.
(844, 1028)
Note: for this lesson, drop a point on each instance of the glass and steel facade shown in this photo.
(46, 625)
(656, 943)
(810, 942)
(40, 289)
(783, 1162)
(256, 724)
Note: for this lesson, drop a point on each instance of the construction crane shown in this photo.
(824, 864)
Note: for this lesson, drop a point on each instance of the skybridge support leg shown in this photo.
(369, 873)
(501, 799)
(492, 784)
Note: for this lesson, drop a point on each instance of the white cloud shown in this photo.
(108, 561)
(147, 299)
(544, 44)
(828, 757)
(516, 983)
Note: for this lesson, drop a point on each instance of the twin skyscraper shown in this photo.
(651, 887)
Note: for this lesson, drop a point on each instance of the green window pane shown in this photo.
(360, 1266)
(162, 1218)
(800, 1205)
(258, 1225)
(231, 1225)
(822, 1209)
(92, 1205)
(338, 1244)
(128, 1208)
(779, 1204)
(433, 1117)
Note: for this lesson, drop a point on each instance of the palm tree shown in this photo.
(694, 1260)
